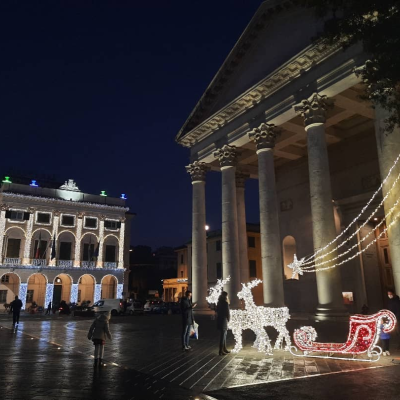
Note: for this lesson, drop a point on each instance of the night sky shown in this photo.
(97, 91)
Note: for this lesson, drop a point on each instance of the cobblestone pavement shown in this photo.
(50, 357)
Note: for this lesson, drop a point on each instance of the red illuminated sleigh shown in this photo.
(362, 338)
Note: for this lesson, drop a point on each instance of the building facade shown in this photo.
(61, 244)
(287, 111)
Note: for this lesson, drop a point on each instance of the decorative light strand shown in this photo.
(359, 215)
(355, 245)
(353, 256)
(362, 338)
(216, 291)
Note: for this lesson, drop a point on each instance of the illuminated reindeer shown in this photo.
(255, 318)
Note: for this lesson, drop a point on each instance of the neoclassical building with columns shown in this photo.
(287, 111)
(61, 244)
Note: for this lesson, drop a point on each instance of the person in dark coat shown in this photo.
(393, 305)
(223, 317)
(187, 318)
(15, 308)
(48, 311)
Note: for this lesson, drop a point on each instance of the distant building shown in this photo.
(61, 244)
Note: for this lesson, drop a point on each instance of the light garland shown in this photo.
(49, 293)
(362, 338)
(120, 288)
(121, 245)
(74, 293)
(23, 290)
(97, 292)
(255, 318)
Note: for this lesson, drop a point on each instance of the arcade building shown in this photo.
(61, 244)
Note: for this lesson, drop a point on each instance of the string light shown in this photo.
(97, 292)
(255, 318)
(23, 289)
(120, 287)
(362, 338)
(49, 293)
(74, 293)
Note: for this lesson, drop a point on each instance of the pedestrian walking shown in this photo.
(187, 318)
(98, 332)
(393, 305)
(385, 337)
(48, 311)
(223, 317)
(15, 308)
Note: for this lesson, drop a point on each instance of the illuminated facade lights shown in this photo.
(33, 183)
(6, 179)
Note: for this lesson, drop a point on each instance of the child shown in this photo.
(384, 337)
(98, 332)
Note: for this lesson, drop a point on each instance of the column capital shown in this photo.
(227, 156)
(81, 215)
(241, 177)
(314, 109)
(265, 136)
(197, 170)
(4, 207)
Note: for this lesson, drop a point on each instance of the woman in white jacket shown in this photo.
(98, 332)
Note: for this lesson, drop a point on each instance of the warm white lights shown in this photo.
(255, 318)
(23, 288)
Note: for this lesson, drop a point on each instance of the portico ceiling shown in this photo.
(350, 116)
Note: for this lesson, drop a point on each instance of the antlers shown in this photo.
(251, 284)
(216, 291)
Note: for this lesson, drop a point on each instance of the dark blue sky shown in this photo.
(97, 91)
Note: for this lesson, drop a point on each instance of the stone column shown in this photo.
(329, 286)
(271, 249)
(121, 244)
(242, 227)
(78, 237)
(197, 171)
(99, 263)
(56, 219)
(2, 230)
(388, 144)
(28, 238)
(227, 157)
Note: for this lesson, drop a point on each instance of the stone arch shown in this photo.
(12, 285)
(43, 252)
(37, 283)
(62, 288)
(14, 245)
(89, 242)
(110, 250)
(86, 287)
(66, 241)
(109, 287)
(289, 250)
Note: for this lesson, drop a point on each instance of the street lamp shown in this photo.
(207, 227)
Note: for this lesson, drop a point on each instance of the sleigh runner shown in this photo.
(362, 338)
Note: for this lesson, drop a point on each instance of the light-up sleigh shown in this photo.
(362, 339)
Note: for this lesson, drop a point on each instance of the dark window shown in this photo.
(218, 245)
(65, 251)
(68, 220)
(3, 296)
(88, 251)
(112, 224)
(43, 218)
(29, 296)
(219, 270)
(5, 279)
(181, 258)
(13, 246)
(251, 240)
(90, 222)
(252, 268)
(41, 252)
(17, 215)
(110, 253)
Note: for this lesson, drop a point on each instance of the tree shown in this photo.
(375, 24)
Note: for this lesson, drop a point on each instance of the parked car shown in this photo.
(150, 304)
(135, 307)
(114, 306)
(165, 307)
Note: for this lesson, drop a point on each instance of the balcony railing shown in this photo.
(65, 263)
(12, 261)
(88, 264)
(39, 262)
(109, 264)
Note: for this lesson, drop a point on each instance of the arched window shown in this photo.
(289, 250)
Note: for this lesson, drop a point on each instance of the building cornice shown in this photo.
(56, 202)
(293, 69)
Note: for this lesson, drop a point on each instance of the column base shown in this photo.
(331, 313)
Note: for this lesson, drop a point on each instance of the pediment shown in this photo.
(278, 31)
